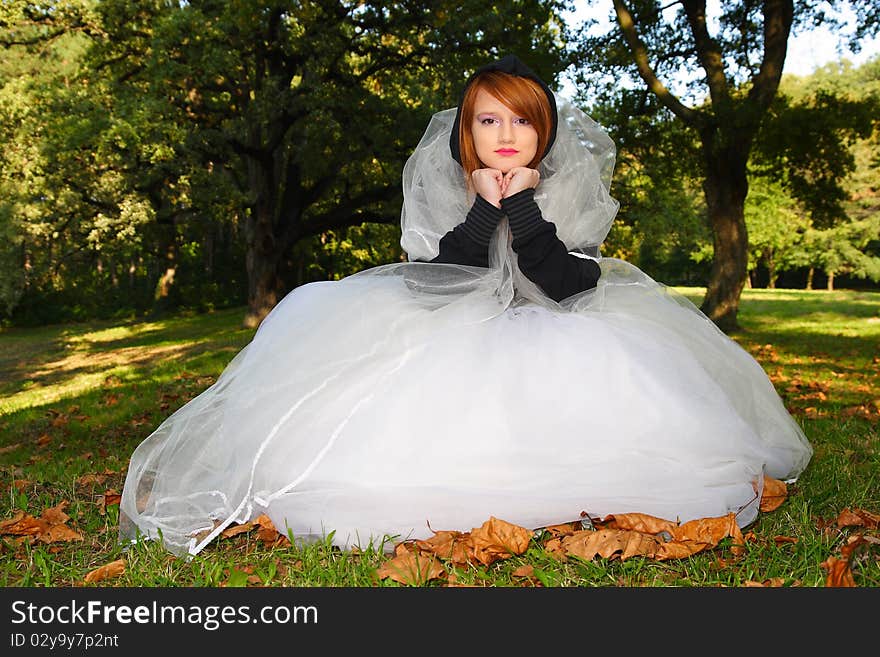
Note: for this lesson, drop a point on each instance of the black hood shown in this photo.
(514, 66)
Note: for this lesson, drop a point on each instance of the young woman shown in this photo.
(506, 370)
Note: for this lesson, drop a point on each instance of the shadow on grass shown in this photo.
(51, 363)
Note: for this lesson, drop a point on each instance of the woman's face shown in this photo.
(502, 139)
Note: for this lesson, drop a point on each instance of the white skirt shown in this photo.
(368, 408)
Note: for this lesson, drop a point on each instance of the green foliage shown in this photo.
(776, 228)
(808, 145)
(172, 123)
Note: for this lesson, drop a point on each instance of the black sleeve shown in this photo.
(541, 255)
(468, 243)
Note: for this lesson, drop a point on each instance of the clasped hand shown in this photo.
(493, 185)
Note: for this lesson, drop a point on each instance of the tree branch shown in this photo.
(708, 52)
(349, 213)
(640, 55)
(778, 16)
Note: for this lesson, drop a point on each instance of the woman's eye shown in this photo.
(522, 121)
(487, 121)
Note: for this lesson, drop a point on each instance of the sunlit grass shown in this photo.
(77, 399)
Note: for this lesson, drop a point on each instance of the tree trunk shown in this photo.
(263, 259)
(726, 187)
(810, 278)
(831, 281)
(166, 280)
(771, 272)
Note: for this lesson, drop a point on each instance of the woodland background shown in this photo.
(160, 156)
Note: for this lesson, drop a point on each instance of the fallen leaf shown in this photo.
(60, 420)
(452, 545)
(9, 448)
(852, 544)
(710, 532)
(524, 571)
(773, 582)
(109, 498)
(566, 529)
(236, 530)
(266, 531)
(55, 515)
(21, 484)
(858, 518)
(780, 540)
(554, 548)
(87, 479)
(640, 522)
(411, 568)
(112, 569)
(608, 543)
(839, 574)
(48, 528)
(775, 492)
(498, 539)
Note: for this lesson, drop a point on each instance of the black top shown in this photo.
(541, 255)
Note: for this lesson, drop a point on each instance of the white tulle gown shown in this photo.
(415, 396)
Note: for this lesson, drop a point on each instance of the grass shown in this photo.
(76, 399)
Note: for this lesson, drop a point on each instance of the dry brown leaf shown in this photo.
(554, 548)
(780, 540)
(773, 582)
(852, 544)
(710, 531)
(21, 484)
(566, 529)
(680, 549)
(775, 492)
(608, 543)
(411, 568)
(236, 530)
(858, 518)
(55, 533)
(87, 479)
(839, 574)
(452, 545)
(48, 528)
(55, 515)
(497, 539)
(524, 571)
(109, 498)
(23, 524)
(639, 522)
(10, 448)
(266, 531)
(112, 569)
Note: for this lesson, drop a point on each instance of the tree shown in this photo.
(732, 75)
(843, 249)
(66, 204)
(309, 109)
(776, 228)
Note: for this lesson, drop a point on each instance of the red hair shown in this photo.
(523, 96)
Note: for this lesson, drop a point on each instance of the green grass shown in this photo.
(76, 400)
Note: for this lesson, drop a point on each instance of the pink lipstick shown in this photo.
(507, 151)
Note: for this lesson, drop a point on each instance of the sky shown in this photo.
(806, 50)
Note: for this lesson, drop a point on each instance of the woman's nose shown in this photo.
(506, 134)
